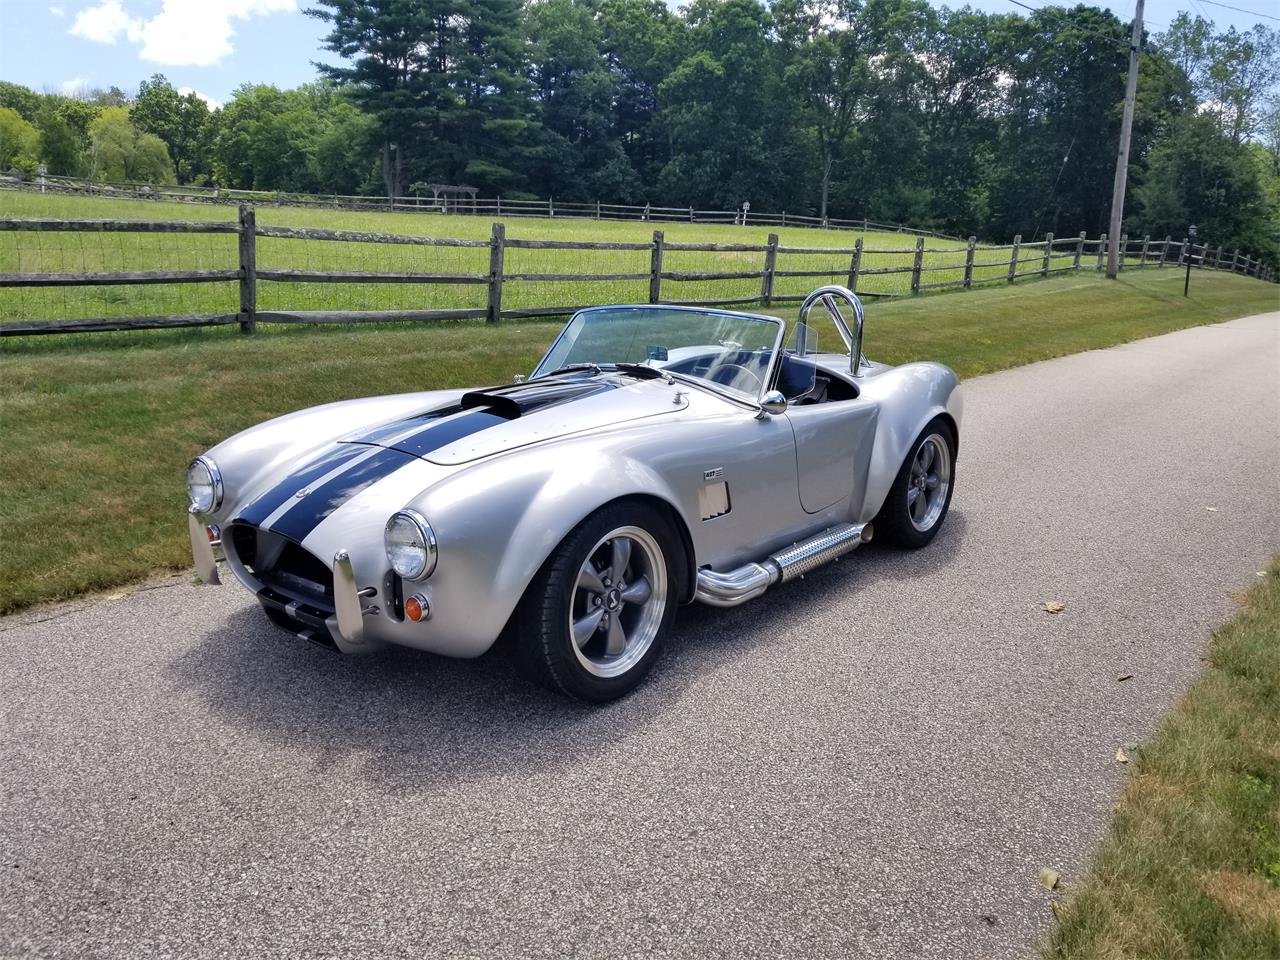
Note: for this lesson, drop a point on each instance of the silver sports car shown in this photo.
(657, 455)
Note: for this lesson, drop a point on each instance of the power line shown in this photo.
(1227, 6)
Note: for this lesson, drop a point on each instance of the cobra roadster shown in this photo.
(657, 455)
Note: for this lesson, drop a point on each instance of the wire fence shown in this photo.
(63, 276)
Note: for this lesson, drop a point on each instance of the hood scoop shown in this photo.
(516, 401)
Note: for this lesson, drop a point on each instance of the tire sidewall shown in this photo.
(545, 647)
(895, 519)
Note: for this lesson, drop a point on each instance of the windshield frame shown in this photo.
(766, 383)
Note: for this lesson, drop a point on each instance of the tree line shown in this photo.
(955, 119)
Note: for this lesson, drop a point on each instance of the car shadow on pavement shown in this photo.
(413, 719)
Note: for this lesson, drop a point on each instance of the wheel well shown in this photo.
(689, 571)
(955, 430)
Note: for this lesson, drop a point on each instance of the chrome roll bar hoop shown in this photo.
(827, 296)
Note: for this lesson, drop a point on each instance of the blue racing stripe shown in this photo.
(267, 504)
(299, 521)
(448, 431)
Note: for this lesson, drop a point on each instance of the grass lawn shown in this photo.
(1191, 865)
(79, 252)
(98, 430)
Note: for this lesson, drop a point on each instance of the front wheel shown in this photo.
(595, 616)
(921, 495)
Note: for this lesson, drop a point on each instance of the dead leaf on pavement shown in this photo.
(1124, 677)
(1212, 509)
(1053, 606)
(1049, 878)
(1121, 756)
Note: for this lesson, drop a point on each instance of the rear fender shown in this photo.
(910, 396)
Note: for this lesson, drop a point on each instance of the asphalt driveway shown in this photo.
(875, 761)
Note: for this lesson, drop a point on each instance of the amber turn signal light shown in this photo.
(417, 608)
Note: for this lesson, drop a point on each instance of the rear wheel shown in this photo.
(595, 616)
(921, 494)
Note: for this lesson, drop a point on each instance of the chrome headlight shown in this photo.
(411, 545)
(204, 485)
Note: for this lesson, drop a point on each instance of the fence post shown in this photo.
(1048, 252)
(916, 265)
(691, 213)
(968, 262)
(597, 209)
(1146, 246)
(770, 263)
(1182, 254)
(855, 265)
(1124, 249)
(1102, 251)
(248, 269)
(1235, 261)
(497, 254)
(1164, 250)
(784, 218)
(655, 269)
(1079, 250)
(551, 207)
(1013, 258)
(499, 206)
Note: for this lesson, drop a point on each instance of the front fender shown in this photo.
(909, 396)
(496, 524)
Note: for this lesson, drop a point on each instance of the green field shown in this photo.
(97, 429)
(32, 252)
(1190, 867)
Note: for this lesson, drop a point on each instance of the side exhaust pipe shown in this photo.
(749, 581)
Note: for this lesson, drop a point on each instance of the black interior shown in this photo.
(804, 382)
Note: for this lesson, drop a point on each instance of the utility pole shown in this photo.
(1122, 159)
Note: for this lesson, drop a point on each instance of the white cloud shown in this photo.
(106, 23)
(209, 101)
(75, 87)
(183, 33)
(58, 12)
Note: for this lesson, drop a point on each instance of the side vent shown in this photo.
(713, 500)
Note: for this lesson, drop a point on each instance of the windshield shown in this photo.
(730, 350)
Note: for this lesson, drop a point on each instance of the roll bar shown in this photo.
(853, 340)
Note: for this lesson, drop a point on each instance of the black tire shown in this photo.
(545, 650)
(895, 524)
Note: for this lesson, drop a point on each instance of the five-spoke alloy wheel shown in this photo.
(921, 494)
(593, 619)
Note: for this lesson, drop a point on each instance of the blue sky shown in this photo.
(213, 46)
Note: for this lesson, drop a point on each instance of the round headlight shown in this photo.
(204, 485)
(411, 545)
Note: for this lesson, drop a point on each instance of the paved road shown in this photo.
(873, 762)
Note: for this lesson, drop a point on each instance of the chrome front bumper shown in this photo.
(346, 626)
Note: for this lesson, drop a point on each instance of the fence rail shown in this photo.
(1033, 259)
(477, 206)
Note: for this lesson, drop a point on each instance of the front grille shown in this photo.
(283, 566)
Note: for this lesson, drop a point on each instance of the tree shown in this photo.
(1200, 176)
(19, 143)
(181, 121)
(581, 158)
(841, 52)
(727, 114)
(121, 152)
(61, 148)
(25, 103)
(442, 79)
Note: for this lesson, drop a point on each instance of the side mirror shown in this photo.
(773, 403)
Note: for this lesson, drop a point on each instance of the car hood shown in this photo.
(487, 422)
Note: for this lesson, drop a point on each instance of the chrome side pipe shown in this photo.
(749, 581)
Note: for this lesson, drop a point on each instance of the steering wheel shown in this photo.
(730, 374)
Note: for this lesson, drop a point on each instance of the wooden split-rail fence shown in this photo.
(973, 266)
